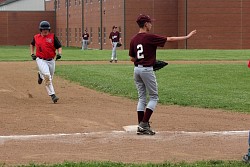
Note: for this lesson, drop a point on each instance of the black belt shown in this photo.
(142, 65)
(45, 59)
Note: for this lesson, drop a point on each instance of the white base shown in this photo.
(130, 128)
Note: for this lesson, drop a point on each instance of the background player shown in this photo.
(114, 38)
(46, 44)
(143, 53)
(85, 40)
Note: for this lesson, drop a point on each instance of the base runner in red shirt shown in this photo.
(142, 52)
(46, 44)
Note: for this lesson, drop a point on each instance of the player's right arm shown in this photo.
(131, 52)
(32, 46)
(132, 59)
(110, 38)
(32, 49)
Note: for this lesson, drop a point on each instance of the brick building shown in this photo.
(221, 24)
(22, 5)
(19, 20)
(98, 17)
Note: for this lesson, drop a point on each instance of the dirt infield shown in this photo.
(87, 125)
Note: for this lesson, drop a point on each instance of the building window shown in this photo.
(58, 4)
(86, 1)
(66, 33)
(120, 31)
(69, 3)
(80, 34)
(76, 37)
(80, 2)
(60, 36)
(69, 34)
(91, 34)
(99, 35)
(58, 33)
(104, 35)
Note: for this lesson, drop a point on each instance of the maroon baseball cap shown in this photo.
(142, 18)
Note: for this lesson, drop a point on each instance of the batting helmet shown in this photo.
(44, 25)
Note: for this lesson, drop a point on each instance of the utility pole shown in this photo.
(101, 24)
(67, 23)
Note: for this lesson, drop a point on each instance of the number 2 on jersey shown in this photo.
(140, 54)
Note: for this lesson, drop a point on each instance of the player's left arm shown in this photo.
(59, 53)
(32, 46)
(58, 45)
(120, 39)
(172, 39)
(59, 50)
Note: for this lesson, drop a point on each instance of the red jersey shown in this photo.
(143, 47)
(46, 45)
(114, 36)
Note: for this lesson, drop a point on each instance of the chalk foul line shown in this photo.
(56, 135)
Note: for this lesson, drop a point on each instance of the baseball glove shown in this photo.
(58, 56)
(118, 44)
(159, 64)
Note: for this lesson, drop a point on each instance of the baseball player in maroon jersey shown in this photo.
(46, 44)
(143, 53)
(85, 40)
(114, 38)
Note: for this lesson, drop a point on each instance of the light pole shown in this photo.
(101, 24)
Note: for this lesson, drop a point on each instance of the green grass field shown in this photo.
(22, 53)
(166, 164)
(222, 86)
(217, 86)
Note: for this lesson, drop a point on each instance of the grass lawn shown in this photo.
(222, 86)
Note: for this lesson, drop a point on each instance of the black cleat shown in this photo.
(40, 80)
(144, 129)
(246, 158)
(54, 98)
